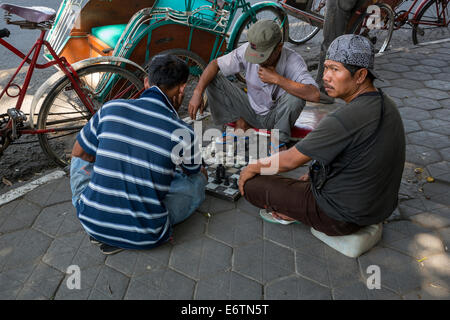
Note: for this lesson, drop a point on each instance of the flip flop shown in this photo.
(268, 216)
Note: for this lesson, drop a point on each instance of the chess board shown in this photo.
(221, 190)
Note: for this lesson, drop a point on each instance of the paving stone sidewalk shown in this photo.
(225, 251)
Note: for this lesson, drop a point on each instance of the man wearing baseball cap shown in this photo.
(277, 79)
(358, 154)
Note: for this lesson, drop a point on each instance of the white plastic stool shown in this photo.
(355, 244)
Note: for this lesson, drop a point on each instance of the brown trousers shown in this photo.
(294, 199)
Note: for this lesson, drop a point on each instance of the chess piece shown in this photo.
(218, 177)
(226, 181)
(234, 183)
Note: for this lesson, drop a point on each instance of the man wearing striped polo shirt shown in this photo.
(125, 185)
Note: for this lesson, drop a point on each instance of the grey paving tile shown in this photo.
(263, 261)
(57, 220)
(429, 139)
(235, 228)
(389, 75)
(442, 76)
(306, 243)
(436, 125)
(421, 155)
(411, 126)
(438, 63)
(432, 93)
(44, 281)
(445, 153)
(110, 283)
(21, 215)
(60, 254)
(399, 92)
(416, 114)
(429, 292)
(394, 68)
(24, 247)
(404, 61)
(201, 258)
(167, 283)
(431, 220)
(438, 84)
(139, 291)
(399, 273)
(228, 285)
(191, 228)
(41, 194)
(419, 246)
(88, 278)
(427, 69)
(440, 170)
(413, 75)
(359, 290)
(407, 84)
(296, 288)
(422, 103)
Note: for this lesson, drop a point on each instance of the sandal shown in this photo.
(269, 217)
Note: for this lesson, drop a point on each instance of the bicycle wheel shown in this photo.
(432, 22)
(63, 112)
(265, 13)
(301, 31)
(380, 35)
(196, 66)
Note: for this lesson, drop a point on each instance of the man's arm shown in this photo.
(287, 160)
(79, 152)
(306, 92)
(207, 76)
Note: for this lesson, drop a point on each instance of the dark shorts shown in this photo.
(294, 199)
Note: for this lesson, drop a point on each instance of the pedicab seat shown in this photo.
(111, 34)
(31, 14)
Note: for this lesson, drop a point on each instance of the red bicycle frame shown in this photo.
(60, 61)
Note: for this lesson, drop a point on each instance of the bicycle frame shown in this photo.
(404, 17)
(35, 51)
(313, 19)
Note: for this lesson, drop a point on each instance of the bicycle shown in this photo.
(76, 92)
(430, 17)
(307, 17)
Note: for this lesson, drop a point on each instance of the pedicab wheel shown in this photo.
(430, 22)
(196, 67)
(380, 35)
(64, 113)
(264, 13)
(301, 31)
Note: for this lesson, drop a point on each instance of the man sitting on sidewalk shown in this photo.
(277, 78)
(124, 182)
(358, 152)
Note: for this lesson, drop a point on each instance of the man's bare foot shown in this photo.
(241, 124)
(282, 216)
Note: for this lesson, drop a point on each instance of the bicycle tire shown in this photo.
(300, 34)
(196, 67)
(360, 28)
(418, 33)
(63, 110)
(241, 38)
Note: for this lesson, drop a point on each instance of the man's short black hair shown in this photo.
(167, 71)
(352, 69)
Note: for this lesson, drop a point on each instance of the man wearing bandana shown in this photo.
(278, 84)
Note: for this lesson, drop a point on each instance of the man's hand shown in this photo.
(268, 75)
(195, 103)
(205, 173)
(246, 174)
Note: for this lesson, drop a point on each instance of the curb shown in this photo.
(21, 191)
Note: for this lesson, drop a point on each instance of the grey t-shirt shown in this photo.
(366, 191)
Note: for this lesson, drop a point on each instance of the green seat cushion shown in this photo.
(112, 33)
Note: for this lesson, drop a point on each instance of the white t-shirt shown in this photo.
(263, 96)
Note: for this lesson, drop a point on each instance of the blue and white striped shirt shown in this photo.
(132, 141)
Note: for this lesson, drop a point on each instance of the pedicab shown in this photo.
(196, 30)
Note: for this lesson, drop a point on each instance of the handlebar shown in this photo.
(4, 33)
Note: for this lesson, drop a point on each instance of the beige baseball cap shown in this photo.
(263, 37)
